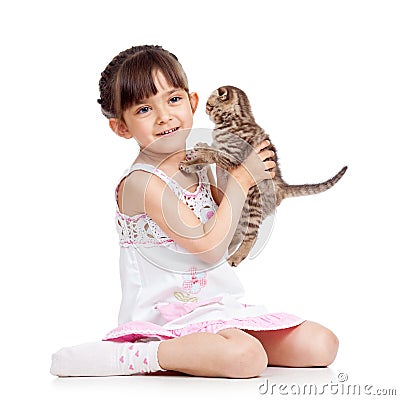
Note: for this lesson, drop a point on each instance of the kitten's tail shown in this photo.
(304, 190)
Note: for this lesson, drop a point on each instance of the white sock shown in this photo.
(106, 358)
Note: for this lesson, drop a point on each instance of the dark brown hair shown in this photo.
(129, 78)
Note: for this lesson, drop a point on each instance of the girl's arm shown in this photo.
(207, 241)
(216, 190)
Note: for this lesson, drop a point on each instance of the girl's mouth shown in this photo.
(167, 132)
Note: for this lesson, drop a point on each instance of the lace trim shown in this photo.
(139, 230)
(142, 230)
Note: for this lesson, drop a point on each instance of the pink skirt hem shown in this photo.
(136, 330)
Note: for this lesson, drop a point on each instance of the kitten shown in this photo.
(235, 135)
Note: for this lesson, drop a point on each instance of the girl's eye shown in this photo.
(175, 99)
(143, 110)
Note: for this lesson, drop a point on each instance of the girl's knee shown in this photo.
(326, 347)
(247, 359)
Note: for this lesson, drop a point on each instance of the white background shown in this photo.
(323, 79)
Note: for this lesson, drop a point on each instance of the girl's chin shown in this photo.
(169, 143)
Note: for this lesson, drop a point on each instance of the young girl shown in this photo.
(180, 308)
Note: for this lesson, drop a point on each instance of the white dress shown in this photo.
(168, 292)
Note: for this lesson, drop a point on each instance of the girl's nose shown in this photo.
(163, 115)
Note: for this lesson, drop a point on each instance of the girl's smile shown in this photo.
(167, 132)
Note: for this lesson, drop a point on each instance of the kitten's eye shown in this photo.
(143, 110)
(175, 99)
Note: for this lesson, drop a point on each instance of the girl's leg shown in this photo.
(306, 345)
(229, 353)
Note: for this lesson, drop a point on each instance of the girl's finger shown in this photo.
(269, 164)
(262, 145)
(266, 154)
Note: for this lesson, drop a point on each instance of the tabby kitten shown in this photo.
(235, 135)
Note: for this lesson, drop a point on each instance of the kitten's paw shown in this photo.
(235, 259)
(192, 154)
(194, 159)
(186, 166)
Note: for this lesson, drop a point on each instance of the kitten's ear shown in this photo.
(223, 93)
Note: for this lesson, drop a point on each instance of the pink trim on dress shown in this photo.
(135, 330)
(128, 243)
(129, 218)
(195, 193)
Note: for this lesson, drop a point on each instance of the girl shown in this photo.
(180, 308)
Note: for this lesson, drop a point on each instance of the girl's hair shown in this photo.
(129, 78)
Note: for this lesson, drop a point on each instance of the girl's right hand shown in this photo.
(254, 170)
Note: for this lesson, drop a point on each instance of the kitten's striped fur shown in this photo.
(235, 135)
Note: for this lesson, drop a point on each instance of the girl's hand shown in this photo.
(254, 169)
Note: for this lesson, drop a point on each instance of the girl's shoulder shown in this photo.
(138, 184)
(130, 192)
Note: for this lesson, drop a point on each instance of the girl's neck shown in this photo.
(163, 161)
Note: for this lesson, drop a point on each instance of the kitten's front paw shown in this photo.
(194, 159)
(194, 153)
(186, 166)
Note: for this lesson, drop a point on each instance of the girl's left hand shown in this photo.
(264, 154)
(254, 169)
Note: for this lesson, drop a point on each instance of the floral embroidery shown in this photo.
(194, 281)
(184, 298)
(210, 214)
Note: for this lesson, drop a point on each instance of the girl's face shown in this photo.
(162, 119)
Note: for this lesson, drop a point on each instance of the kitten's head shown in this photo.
(227, 103)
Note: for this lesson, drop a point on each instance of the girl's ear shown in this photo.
(119, 127)
(194, 101)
